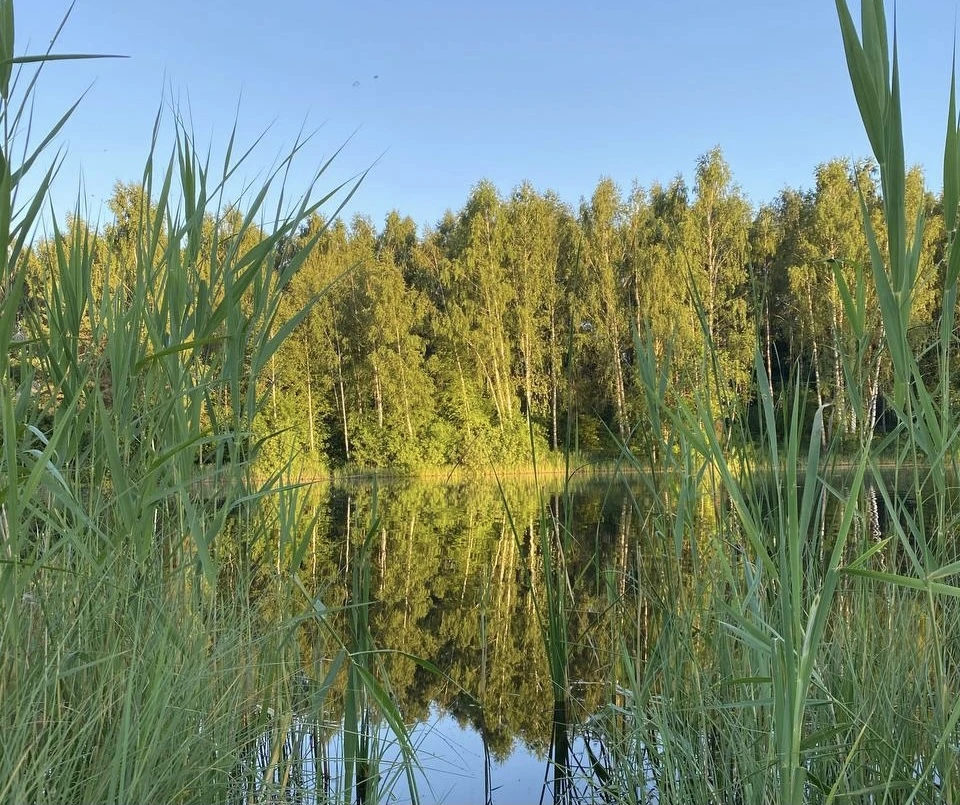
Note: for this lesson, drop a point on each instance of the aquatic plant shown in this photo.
(806, 657)
(139, 662)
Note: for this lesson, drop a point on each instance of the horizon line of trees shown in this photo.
(518, 313)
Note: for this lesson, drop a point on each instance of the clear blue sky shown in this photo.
(558, 93)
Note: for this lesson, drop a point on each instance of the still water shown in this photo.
(458, 581)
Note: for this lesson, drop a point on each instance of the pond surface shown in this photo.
(456, 578)
(457, 581)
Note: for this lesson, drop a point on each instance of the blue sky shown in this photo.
(557, 93)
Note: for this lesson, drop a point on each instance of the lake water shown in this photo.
(457, 581)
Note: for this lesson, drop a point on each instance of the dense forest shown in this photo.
(447, 346)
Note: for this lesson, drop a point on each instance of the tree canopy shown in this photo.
(518, 315)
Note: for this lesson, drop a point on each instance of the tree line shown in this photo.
(521, 314)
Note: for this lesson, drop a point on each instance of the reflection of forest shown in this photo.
(452, 584)
(650, 580)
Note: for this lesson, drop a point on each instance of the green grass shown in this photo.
(138, 660)
(157, 640)
(793, 658)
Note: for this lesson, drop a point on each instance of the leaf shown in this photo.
(865, 82)
(951, 156)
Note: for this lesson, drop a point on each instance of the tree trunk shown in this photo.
(343, 404)
(403, 384)
(313, 443)
(712, 279)
(620, 390)
(839, 395)
(466, 397)
(769, 350)
(553, 383)
(378, 394)
(871, 414)
(527, 376)
(818, 381)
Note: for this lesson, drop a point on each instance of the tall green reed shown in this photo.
(372, 723)
(926, 425)
(135, 667)
(806, 662)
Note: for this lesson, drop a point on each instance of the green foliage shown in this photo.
(162, 381)
(414, 350)
(139, 660)
(444, 348)
(803, 658)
